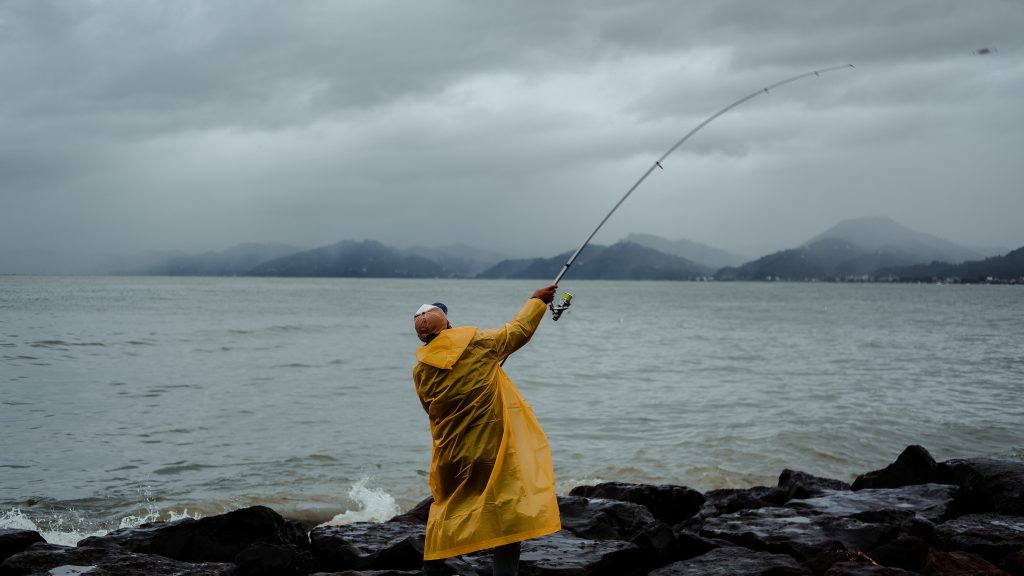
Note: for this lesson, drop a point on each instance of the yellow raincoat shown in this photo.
(490, 474)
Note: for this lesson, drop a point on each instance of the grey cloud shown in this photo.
(196, 125)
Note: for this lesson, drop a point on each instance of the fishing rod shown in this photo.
(563, 305)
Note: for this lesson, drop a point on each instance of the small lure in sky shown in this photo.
(983, 51)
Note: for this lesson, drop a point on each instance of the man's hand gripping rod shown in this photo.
(563, 305)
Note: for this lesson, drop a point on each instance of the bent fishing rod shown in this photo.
(563, 305)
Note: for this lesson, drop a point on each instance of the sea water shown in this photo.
(125, 400)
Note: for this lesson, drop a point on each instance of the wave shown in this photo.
(374, 505)
(68, 526)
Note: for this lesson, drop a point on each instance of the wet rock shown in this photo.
(668, 503)
(800, 485)
(418, 513)
(987, 485)
(690, 545)
(370, 573)
(601, 519)
(213, 539)
(913, 466)
(906, 552)
(787, 531)
(992, 536)
(564, 554)
(53, 559)
(958, 564)
(735, 561)
(854, 568)
(394, 545)
(729, 500)
(929, 501)
(1014, 563)
(14, 541)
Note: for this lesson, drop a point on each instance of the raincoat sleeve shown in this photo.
(517, 333)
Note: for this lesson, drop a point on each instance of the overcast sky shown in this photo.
(515, 126)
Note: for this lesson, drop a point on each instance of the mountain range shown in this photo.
(859, 249)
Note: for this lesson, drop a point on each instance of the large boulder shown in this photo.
(958, 564)
(987, 485)
(861, 568)
(668, 503)
(729, 500)
(14, 541)
(603, 519)
(929, 501)
(803, 536)
(257, 531)
(735, 561)
(913, 466)
(794, 484)
(54, 559)
(395, 545)
(990, 535)
(564, 554)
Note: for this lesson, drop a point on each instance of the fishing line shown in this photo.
(557, 310)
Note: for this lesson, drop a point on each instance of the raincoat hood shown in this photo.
(446, 348)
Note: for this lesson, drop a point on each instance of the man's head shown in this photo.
(430, 320)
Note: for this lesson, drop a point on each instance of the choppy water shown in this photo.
(128, 399)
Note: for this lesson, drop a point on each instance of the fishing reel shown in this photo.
(562, 306)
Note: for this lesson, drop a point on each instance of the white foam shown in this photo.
(375, 505)
(68, 529)
(61, 530)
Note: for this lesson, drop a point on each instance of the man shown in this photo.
(490, 473)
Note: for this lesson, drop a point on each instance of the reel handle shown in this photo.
(562, 306)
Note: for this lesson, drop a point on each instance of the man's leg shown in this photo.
(506, 559)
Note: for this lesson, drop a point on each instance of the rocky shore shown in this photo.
(916, 516)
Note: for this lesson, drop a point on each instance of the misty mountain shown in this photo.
(458, 259)
(365, 259)
(620, 261)
(881, 234)
(1007, 267)
(826, 258)
(694, 251)
(235, 261)
(852, 248)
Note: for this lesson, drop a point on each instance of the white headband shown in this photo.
(424, 309)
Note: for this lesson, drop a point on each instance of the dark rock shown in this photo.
(601, 519)
(14, 541)
(987, 485)
(563, 554)
(796, 484)
(216, 538)
(906, 552)
(419, 513)
(370, 573)
(930, 501)
(44, 558)
(1014, 563)
(729, 500)
(786, 531)
(914, 466)
(992, 536)
(668, 503)
(690, 545)
(855, 568)
(958, 564)
(734, 561)
(396, 545)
